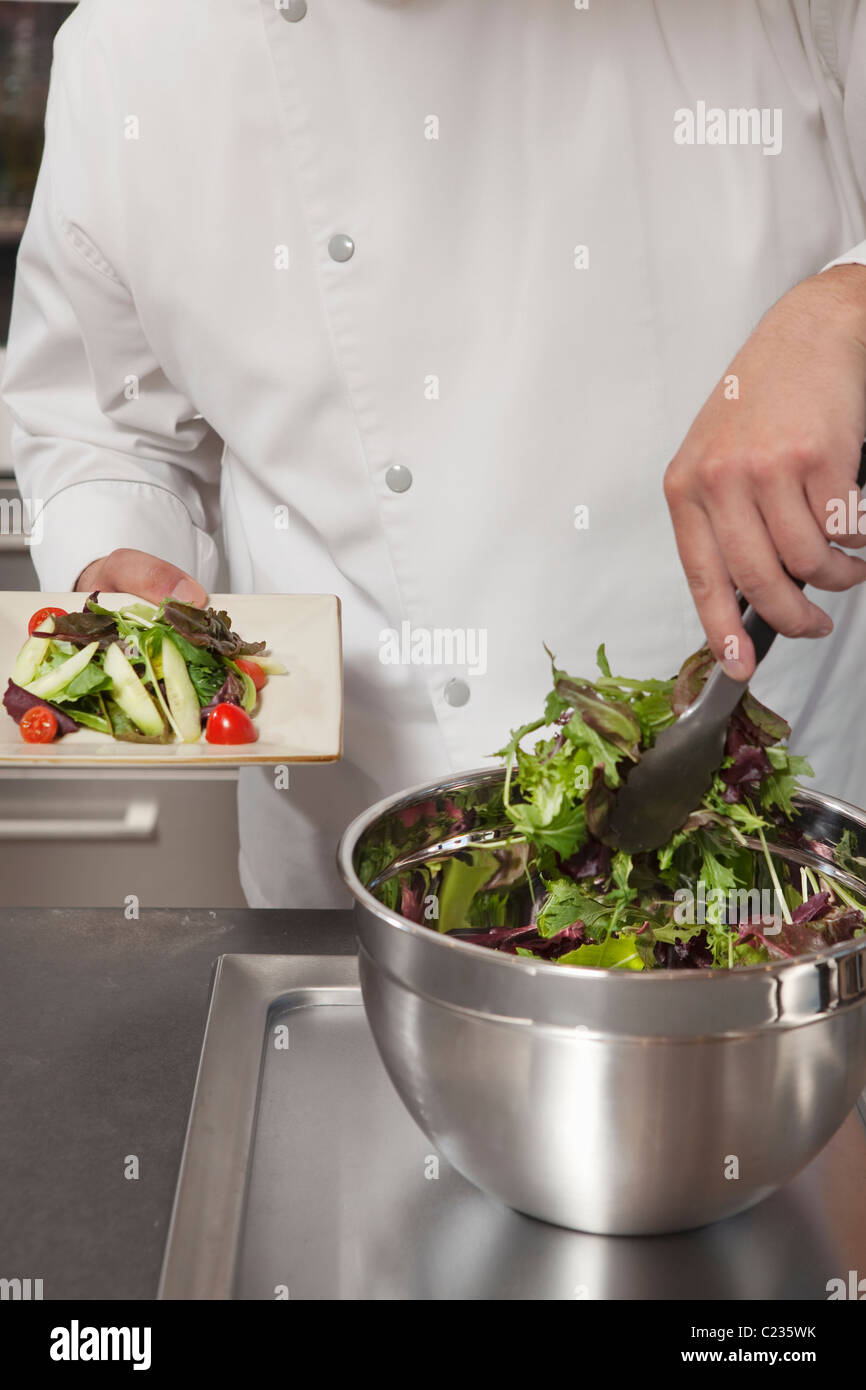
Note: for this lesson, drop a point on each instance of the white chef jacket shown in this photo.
(543, 287)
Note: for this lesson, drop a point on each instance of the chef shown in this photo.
(521, 323)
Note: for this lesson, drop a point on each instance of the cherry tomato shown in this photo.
(230, 724)
(40, 615)
(38, 725)
(253, 670)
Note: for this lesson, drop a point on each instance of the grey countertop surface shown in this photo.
(101, 1025)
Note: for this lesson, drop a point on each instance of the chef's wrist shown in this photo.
(843, 289)
(85, 580)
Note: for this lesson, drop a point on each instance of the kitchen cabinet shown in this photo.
(114, 838)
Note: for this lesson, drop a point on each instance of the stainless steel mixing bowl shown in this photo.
(602, 1100)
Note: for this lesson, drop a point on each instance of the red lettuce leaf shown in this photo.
(610, 718)
(412, 893)
(694, 954)
(690, 681)
(764, 724)
(231, 692)
(205, 627)
(801, 938)
(759, 725)
(17, 701)
(750, 765)
(592, 861)
(82, 628)
(815, 906)
(507, 939)
(598, 805)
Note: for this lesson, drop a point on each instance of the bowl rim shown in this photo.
(503, 960)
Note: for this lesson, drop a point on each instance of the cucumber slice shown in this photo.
(251, 695)
(58, 679)
(180, 691)
(131, 694)
(139, 613)
(270, 665)
(32, 654)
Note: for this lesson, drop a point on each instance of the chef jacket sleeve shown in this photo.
(107, 451)
(839, 31)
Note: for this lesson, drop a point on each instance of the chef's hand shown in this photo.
(135, 572)
(749, 489)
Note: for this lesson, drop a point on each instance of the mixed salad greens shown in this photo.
(550, 886)
(139, 673)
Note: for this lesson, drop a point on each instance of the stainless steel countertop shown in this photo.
(101, 1025)
(304, 1177)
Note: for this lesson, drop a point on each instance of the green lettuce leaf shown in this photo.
(566, 904)
(615, 953)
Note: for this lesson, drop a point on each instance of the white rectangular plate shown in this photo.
(299, 716)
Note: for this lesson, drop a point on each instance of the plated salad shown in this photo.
(138, 673)
(726, 891)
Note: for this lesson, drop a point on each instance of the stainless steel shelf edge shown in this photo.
(206, 1219)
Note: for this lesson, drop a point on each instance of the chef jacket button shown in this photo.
(456, 692)
(294, 10)
(398, 478)
(341, 247)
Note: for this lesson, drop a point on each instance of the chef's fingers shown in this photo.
(136, 572)
(836, 505)
(711, 586)
(754, 566)
(804, 549)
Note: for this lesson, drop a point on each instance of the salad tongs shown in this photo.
(673, 776)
